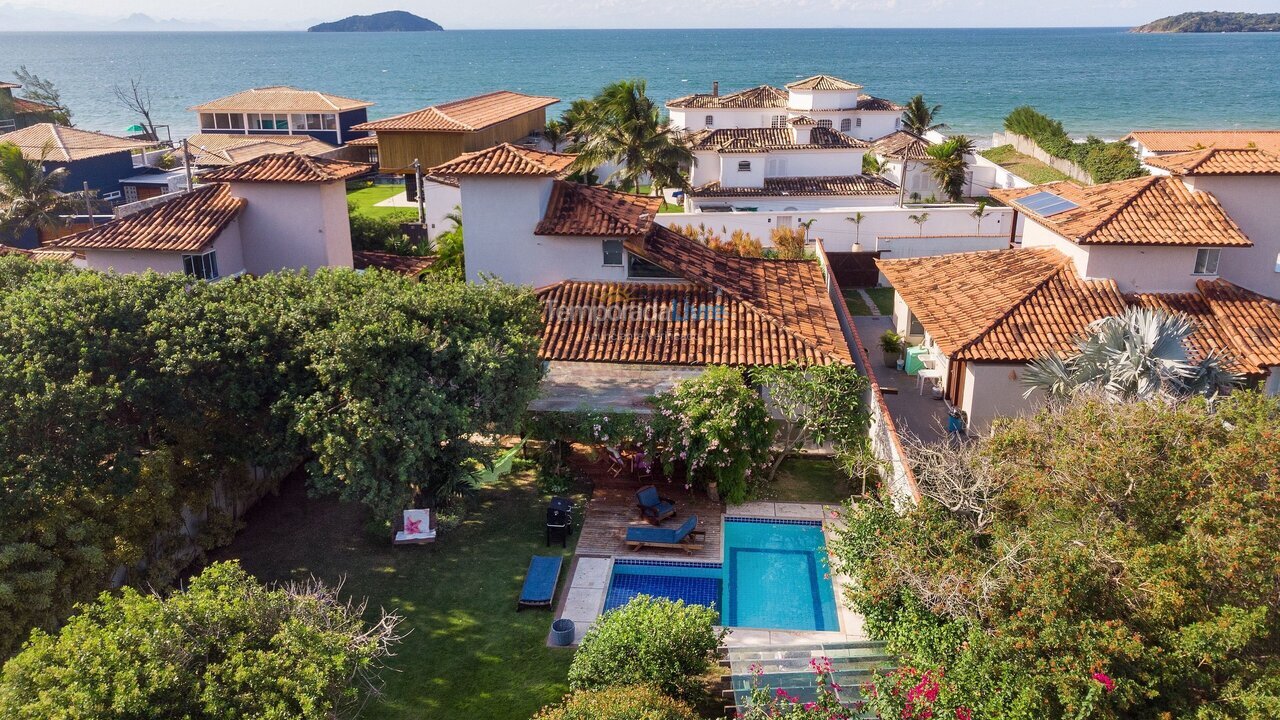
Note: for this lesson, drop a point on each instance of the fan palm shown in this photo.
(947, 165)
(29, 196)
(624, 127)
(1139, 354)
(554, 134)
(919, 116)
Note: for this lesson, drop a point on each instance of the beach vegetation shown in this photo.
(1103, 161)
(920, 117)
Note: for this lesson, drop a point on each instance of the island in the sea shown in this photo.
(1213, 22)
(391, 21)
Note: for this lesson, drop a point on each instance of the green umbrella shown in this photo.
(135, 129)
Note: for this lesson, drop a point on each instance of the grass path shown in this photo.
(469, 654)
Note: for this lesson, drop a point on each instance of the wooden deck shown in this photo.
(612, 509)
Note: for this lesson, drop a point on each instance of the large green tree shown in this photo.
(623, 126)
(948, 165)
(1099, 560)
(225, 647)
(920, 117)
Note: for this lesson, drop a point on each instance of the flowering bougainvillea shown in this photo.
(778, 704)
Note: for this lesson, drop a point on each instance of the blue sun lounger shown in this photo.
(540, 582)
(642, 537)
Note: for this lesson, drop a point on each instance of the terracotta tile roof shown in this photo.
(1250, 321)
(288, 168)
(575, 209)
(451, 181)
(1161, 141)
(466, 115)
(215, 150)
(366, 141)
(1153, 210)
(50, 254)
(56, 143)
(404, 264)
(188, 223)
(1217, 161)
(764, 96)
(823, 82)
(901, 144)
(281, 98)
(803, 186)
(23, 105)
(767, 139)
(873, 103)
(508, 159)
(802, 120)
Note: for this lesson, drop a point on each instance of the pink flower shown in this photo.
(964, 713)
(780, 692)
(810, 706)
(1105, 681)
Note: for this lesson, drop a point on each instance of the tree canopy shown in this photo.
(1096, 560)
(623, 126)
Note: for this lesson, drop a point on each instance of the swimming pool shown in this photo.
(774, 575)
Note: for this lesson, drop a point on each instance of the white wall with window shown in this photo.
(223, 257)
(1135, 268)
(1252, 202)
(203, 266)
(291, 123)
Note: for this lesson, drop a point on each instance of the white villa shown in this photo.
(833, 103)
(1087, 253)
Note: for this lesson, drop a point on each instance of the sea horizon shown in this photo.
(1104, 81)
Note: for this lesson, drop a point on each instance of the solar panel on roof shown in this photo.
(1046, 204)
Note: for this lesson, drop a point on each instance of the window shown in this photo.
(268, 121)
(897, 123)
(221, 121)
(201, 267)
(1207, 261)
(846, 125)
(778, 121)
(613, 253)
(311, 121)
(744, 166)
(825, 123)
(330, 121)
(859, 122)
(640, 268)
(711, 121)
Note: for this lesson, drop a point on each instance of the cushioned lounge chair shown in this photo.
(654, 507)
(687, 537)
(540, 582)
(417, 529)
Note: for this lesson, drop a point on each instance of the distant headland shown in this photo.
(1213, 22)
(392, 21)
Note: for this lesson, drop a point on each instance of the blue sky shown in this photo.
(247, 14)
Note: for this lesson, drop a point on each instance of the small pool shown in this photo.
(774, 575)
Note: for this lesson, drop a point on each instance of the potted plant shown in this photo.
(891, 344)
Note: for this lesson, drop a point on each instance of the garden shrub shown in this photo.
(382, 233)
(619, 703)
(1105, 162)
(648, 641)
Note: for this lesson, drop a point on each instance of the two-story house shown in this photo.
(281, 110)
(833, 103)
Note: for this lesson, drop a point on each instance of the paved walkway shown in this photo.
(871, 304)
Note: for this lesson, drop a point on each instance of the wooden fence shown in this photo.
(854, 269)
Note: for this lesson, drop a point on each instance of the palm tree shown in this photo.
(978, 213)
(919, 116)
(1138, 354)
(806, 224)
(919, 220)
(947, 165)
(871, 164)
(857, 228)
(554, 133)
(29, 196)
(624, 127)
(574, 119)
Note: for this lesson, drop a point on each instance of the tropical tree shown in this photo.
(576, 119)
(449, 247)
(871, 164)
(43, 91)
(623, 126)
(1139, 354)
(979, 213)
(947, 164)
(30, 197)
(821, 404)
(857, 227)
(919, 220)
(919, 116)
(554, 133)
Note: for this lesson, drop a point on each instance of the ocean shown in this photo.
(1103, 81)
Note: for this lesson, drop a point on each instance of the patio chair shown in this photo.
(540, 582)
(616, 463)
(641, 465)
(417, 529)
(653, 507)
(686, 537)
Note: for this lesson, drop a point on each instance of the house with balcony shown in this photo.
(1087, 253)
(281, 110)
(275, 212)
(802, 166)
(833, 103)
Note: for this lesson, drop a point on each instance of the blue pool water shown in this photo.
(774, 576)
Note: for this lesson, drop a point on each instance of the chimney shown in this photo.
(715, 89)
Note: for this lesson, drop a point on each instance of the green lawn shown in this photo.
(809, 479)
(365, 200)
(469, 654)
(857, 306)
(883, 298)
(1024, 166)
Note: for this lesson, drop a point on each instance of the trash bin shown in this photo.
(562, 632)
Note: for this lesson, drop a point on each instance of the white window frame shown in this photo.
(1207, 260)
(609, 244)
(825, 123)
(744, 166)
(709, 121)
(221, 121)
(778, 121)
(846, 125)
(201, 266)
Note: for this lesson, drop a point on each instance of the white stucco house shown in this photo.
(834, 103)
(271, 213)
(1087, 253)
(1154, 143)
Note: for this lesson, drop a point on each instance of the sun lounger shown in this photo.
(616, 463)
(684, 537)
(654, 507)
(417, 529)
(540, 582)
